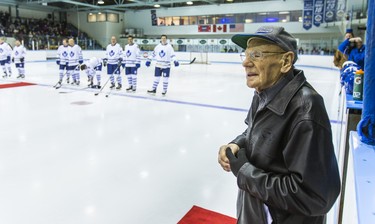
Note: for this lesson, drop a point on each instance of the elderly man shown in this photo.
(284, 161)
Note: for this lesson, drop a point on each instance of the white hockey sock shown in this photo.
(156, 82)
(134, 81)
(165, 84)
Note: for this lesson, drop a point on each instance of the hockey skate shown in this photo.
(118, 86)
(112, 85)
(5, 75)
(67, 80)
(164, 92)
(130, 88)
(19, 76)
(152, 91)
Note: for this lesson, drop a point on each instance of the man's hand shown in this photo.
(236, 162)
(223, 159)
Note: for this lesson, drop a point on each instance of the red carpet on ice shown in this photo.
(198, 215)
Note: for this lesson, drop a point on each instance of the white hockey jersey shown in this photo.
(9, 50)
(62, 54)
(4, 51)
(131, 55)
(74, 55)
(91, 64)
(163, 54)
(18, 53)
(113, 53)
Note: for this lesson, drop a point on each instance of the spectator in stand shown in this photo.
(345, 47)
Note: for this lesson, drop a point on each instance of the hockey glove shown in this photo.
(119, 62)
(80, 62)
(83, 67)
(138, 65)
(8, 58)
(236, 162)
(105, 60)
(176, 64)
(22, 60)
(58, 62)
(123, 65)
(13, 60)
(148, 63)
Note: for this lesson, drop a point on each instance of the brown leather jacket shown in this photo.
(292, 165)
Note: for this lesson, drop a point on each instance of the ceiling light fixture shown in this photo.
(229, 0)
(189, 3)
(101, 2)
(157, 6)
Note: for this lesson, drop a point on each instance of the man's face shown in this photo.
(359, 44)
(17, 43)
(113, 40)
(130, 40)
(71, 42)
(163, 39)
(65, 43)
(264, 71)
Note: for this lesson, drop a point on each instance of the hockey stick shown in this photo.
(118, 66)
(57, 86)
(189, 63)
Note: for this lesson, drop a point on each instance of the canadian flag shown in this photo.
(222, 28)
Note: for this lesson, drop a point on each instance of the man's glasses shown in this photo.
(256, 55)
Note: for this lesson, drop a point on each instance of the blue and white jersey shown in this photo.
(113, 53)
(163, 54)
(131, 55)
(18, 53)
(9, 50)
(63, 53)
(74, 55)
(4, 51)
(91, 65)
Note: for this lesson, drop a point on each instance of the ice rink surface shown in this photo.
(70, 157)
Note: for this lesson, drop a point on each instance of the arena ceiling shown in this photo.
(112, 5)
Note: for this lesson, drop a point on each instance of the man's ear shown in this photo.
(287, 61)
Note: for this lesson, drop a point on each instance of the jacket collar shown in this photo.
(279, 104)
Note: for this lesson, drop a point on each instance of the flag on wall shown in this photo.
(236, 27)
(330, 10)
(154, 19)
(219, 28)
(341, 9)
(308, 6)
(204, 28)
(318, 12)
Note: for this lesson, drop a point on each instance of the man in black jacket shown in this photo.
(284, 162)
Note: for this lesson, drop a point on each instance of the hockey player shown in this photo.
(74, 58)
(62, 60)
(19, 53)
(93, 67)
(132, 62)
(164, 54)
(114, 59)
(4, 52)
(9, 56)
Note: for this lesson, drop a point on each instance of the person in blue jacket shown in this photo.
(357, 54)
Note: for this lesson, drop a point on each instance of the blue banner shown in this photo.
(330, 11)
(341, 9)
(318, 12)
(308, 6)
